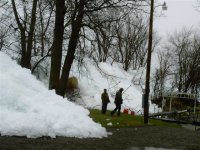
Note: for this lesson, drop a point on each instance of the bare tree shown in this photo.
(26, 31)
(181, 45)
(184, 49)
(43, 34)
(76, 27)
(131, 36)
(72, 19)
(162, 73)
(192, 78)
(79, 9)
(4, 29)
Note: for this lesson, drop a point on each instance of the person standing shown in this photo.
(118, 102)
(105, 101)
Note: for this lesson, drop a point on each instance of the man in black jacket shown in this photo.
(118, 102)
(105, 101)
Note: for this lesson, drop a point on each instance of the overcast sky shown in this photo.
(180, 13)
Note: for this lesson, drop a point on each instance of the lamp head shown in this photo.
(164, 6)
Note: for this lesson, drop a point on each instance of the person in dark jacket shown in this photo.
(118, 102)
(105, 101)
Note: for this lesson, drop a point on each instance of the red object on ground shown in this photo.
(133, 113)
(125, 111)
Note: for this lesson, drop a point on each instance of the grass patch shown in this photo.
(124, 121)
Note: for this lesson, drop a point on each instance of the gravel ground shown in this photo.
(123, 138)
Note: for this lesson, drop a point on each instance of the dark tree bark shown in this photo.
(30, 35)
(76, 27)
(56, 49)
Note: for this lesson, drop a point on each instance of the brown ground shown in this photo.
(123, 138)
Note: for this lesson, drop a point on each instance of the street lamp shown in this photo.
(148, 69)
(164, 6)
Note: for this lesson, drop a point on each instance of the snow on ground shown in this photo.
(28, 108)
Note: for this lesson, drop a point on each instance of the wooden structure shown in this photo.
(189, 115)
(185, 99)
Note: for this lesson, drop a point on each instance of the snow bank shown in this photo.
(27, 108)
(112, 77)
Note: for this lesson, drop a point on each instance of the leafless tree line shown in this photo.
(179, 66)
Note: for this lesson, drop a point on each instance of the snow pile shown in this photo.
(28, 108)
(111, 77)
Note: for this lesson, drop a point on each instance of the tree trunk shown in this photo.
(23, 48)
(76, 26)
(30, 35)
(56, 49)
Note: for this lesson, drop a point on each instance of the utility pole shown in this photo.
(148, 69)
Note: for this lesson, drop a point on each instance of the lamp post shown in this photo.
(148, 69)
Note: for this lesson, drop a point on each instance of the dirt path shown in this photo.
(124, 138)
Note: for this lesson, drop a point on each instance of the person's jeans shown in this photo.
(104, 108)
(117, 108)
